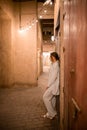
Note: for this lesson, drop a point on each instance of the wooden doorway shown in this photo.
(75, 24)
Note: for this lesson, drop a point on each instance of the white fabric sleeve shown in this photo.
(53, 75)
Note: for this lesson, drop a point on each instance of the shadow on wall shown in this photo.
(5, 49)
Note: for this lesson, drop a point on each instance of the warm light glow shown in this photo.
(40, 16)
(26, 29)
(46, 59)
(32, 24)
(36, 21)
(52, 38)
(46, 2)
(46, 54)
(45, 11)
(21, 30)
(51, 3)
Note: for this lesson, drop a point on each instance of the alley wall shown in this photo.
(18, 50)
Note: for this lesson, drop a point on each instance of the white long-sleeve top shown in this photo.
(53, 80)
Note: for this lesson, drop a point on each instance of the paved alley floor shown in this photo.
(21, 108)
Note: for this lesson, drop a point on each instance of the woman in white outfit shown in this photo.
(52, 89)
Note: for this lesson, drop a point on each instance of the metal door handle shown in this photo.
(77, 109)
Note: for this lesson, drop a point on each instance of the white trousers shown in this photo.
(50, 102)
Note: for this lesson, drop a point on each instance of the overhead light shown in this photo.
(21, 30)
(40, 16)
(51, 3)
(45, 11)
(36, 20)
(46, 2)
(52, 38)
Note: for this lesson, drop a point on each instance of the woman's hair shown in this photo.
(54, 54)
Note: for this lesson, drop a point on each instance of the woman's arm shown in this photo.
(53, 75)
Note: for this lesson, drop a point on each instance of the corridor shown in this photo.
(21, 108)
(29, 31)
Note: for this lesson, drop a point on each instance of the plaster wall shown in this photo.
(25, 54)
(6, 42)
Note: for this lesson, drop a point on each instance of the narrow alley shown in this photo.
(22, 108)
(30, 31)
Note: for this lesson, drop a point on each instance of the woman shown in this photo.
(52, 88)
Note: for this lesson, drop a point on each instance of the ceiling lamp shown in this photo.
(47, 2)
(45, 11)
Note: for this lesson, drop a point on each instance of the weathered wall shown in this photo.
(25, 57)
(18, 51)
(6, 41)
(75, 87)
(60, 50)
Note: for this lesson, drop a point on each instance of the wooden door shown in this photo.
(75, 40)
